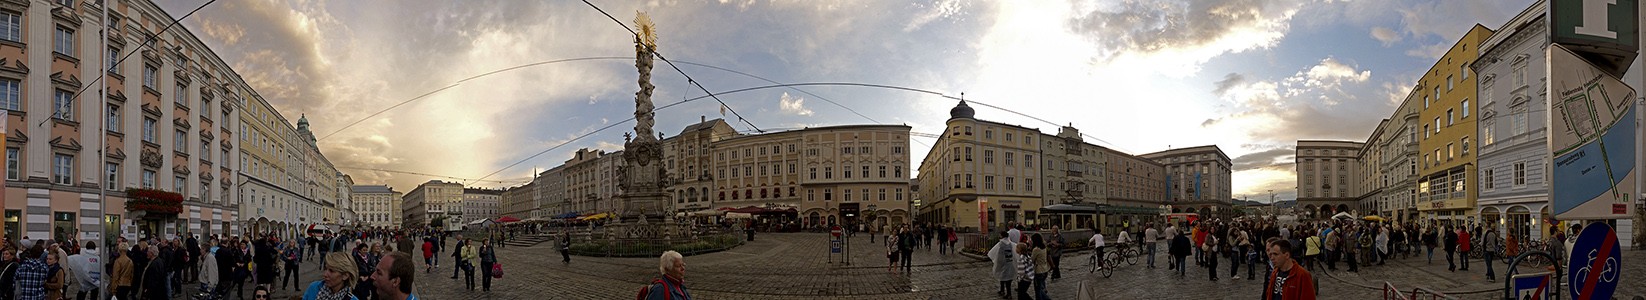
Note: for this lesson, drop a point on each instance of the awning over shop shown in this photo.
(706, 213)
(567, 215)
(596, 216)
(749, 210)
(779, 212)
(508, 219)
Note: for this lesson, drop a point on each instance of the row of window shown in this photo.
(1518, 177)
(988, 156)
(845, 172)
(63, 173)
(988, 134)
(846, 193)
(1451, 152)
(988, 183)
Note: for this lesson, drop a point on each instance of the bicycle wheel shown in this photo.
(1131, 256)
(1110, 263)
(1093, 261)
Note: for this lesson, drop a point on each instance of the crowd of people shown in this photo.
(152, 267)
(905, 239)
(1287, 254)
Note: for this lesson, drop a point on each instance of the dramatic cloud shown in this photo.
(1385, 35)
(1205, 28)
(1265, 159)
(338, 62)
(793, 105)
(1296, 107)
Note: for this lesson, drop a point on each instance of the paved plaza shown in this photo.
(796, 266)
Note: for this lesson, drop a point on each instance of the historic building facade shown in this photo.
(1324, 171)
(479, 204)
(1514, 194)
(1446, 173)
(688, 158)
(964, 185)
(65, 148)
(434, 200)
(1197, 179)
(377, 205)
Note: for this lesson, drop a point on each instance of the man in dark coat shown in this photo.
(1181, 249)
(1451, 248)
(457, 256)
(154, 276)
(228, 259)
(193, 246)
(264, 255)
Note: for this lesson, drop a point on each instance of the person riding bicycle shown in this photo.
(1122, 240)
(1097, 245)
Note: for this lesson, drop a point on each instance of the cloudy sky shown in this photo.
(1251, 76)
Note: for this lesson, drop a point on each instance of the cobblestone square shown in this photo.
(796, 266)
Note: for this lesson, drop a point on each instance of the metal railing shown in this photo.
(1390, 292)
(1431, 294)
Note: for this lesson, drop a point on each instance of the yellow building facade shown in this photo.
(1446, 169)
(962, 185)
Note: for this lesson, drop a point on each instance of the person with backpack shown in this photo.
(1491, 243)
(671, 284)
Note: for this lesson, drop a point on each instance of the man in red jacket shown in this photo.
(1289, 281)
(1463, 247)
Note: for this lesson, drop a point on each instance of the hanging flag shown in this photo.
(722, 110)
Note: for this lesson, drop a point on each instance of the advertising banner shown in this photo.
(1591, 139)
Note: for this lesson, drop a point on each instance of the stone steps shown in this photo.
(529, 240)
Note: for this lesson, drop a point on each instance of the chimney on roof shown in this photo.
(702, 118)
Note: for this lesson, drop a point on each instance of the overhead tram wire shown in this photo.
(786, 85)
(152, 40)
(432, 175)
(676, 68)
(494, 72)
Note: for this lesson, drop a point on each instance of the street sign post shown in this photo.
(834, 246)
(1607, 30)
(1595, 264)
(1534, 286)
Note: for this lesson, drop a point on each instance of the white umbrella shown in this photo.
(1343, 215)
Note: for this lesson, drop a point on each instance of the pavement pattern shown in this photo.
(798, 266)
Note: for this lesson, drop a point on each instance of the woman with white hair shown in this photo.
(672, 285)
(337, 283)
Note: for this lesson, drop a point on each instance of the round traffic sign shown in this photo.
(1595, 263)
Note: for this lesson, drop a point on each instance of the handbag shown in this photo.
(497, 270)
